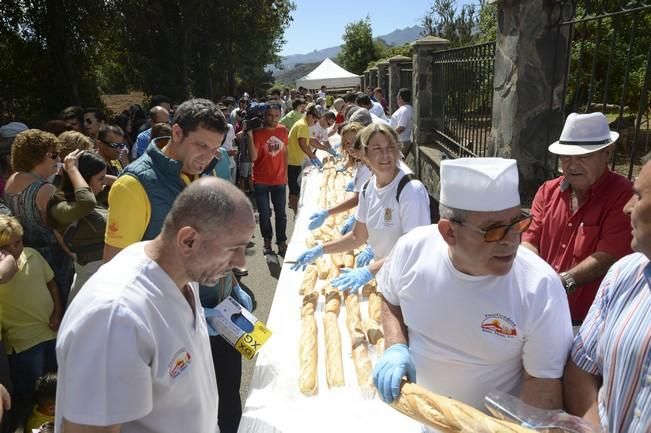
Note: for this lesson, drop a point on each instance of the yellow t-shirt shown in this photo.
(36, 420)
(129, 211)
(27, 304)
(295, 155)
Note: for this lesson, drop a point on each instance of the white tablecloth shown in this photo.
(275, 403)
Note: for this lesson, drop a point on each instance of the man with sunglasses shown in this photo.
(578, 225)
(466, 310)
(110, 146)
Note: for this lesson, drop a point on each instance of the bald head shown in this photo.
(159, 114)
(209, 204)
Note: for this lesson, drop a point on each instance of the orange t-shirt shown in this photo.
(270, 168)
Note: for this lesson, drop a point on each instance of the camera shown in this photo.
(254, 114)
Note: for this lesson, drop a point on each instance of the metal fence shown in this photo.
(607, 68)
(462, 98)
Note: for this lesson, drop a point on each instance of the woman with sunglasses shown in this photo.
(383, 213)
(35, 157)
(75, 212)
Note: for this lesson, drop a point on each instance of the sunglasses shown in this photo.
(114, 145)
(497, 233)
(53, 155)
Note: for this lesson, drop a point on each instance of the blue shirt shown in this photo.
(142, 141)
(615, 343)
(222, 169)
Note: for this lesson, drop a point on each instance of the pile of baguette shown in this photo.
(361, 332)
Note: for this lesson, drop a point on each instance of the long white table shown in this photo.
(274, 403)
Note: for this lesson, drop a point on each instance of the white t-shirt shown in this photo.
(319, 133)
(131, 352)
(469, 334)
(378, 120)
(403, 116)
(386, 219)
(377, 109)
(228, 144)
(362, 174)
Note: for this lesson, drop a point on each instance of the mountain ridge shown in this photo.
(396, 37)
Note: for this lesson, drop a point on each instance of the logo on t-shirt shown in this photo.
(499, 324)
(180, 362)
(274, 145)
(388, 215)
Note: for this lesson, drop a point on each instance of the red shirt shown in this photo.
(270, 168)
(600, 224)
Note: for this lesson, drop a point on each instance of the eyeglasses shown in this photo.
(53, 155)
(497, 233)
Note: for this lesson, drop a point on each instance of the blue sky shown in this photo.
(320, 24)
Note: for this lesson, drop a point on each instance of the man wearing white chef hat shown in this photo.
(467, 310)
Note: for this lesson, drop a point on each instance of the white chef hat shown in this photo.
(479, 184)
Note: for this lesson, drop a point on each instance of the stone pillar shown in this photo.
(373, 77)
(421, 92)
(383, 82)
(528, 89)
(394, 80)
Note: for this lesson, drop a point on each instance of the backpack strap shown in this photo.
(364, 188)
(403, 182)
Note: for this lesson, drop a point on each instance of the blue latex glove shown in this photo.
(307, 257)
(340, 169)
(317, 163)
(352, 279)
(209, 313)
(365, 257)
(389, 370)
(348, 225)
(242, 297)
(332, 152)
(317, 219)
(350, 186)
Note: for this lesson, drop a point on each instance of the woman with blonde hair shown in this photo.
(35, 157)
(391, 203)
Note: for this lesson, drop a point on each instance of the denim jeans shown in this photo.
(277, 193)
(25, 369)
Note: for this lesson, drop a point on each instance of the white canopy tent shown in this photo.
(328, 74)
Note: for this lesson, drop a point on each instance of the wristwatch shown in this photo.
(568, 282)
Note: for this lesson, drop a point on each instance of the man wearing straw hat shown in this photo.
(467, 310)
(578, 225)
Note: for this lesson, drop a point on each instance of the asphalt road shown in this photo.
(262, 281)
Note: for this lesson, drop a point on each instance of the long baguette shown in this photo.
(448, 415)
(375, 306)
(307, 381)
(309, 279)
(334, 361)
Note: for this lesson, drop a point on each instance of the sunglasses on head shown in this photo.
(497, 233)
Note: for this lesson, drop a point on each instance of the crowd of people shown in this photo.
(118, 235)
(86, 186)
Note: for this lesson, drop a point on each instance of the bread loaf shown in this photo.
(354, 319)
(370, 287)
(307, 380)
(363, 366)
(337, 260)
(323, 267)
(375, 306)
(373, 331)
(334, 361)
(309, 279)
(349, 260)
(447, 415)
(333, 300)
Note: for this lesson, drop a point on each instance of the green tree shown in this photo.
(359, 48)
(468, 25)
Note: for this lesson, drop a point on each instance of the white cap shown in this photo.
(479, 184)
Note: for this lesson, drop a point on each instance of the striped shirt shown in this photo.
(615, 343)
